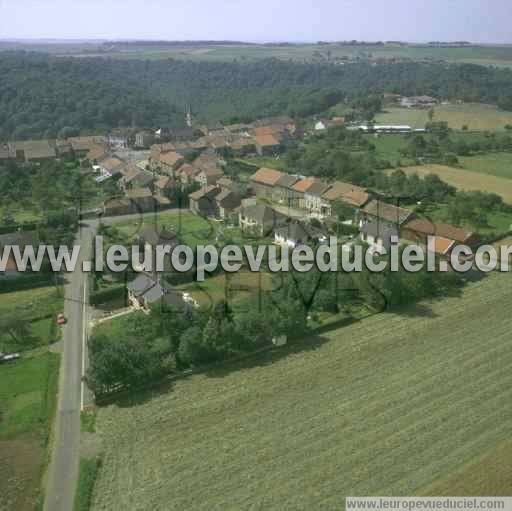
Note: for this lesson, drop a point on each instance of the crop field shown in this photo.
(466, 179)
(397, 404)
(493, 164)
(497, 55)
(475, 116)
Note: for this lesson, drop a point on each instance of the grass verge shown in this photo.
(86, 480)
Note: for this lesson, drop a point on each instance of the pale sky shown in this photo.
(260, 20)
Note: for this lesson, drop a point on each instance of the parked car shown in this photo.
(61, 319)
(9, 357)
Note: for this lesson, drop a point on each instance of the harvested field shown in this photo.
(397, 404)
(476, 116)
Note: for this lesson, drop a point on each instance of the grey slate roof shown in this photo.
(317, 188)
(387, 212)
(141, 284)
(287, 181)
(379, 230)
(153, 236)
(19, 238)
(262, 214)
(294, 231)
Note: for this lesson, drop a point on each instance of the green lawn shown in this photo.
(35, 308)
(498, 222)
(28, 395)
(27, 389)
(21, 214)
(396, 404)
(193, 230)
(271, 162)
(388, 146)
(414, 117)
(494, 164)
(32, 303)
(235, 288)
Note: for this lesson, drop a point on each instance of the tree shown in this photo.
(191, 350)
(127, 361)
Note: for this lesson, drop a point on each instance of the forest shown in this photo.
(44, 96)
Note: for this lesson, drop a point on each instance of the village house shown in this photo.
(260, 220)
(121, 138)
(145, 292)
(447, 236)
(313, 199)
(242, 146)
(21, 239)
(7, 152)
(82, 145)
(164, 185)
(264, 181)
(227, 202)
(238, 128)
(292, 235)
(96, 154)
(212, 129)
(36, 151)
(226, 183)
(299, 190)
(347, 193)
(110, 167)
(141, 200)
(180, 134)
(418, 101)
(385, 213)
(378, 234)
(149, 238)
(144, 139)
(115, 207)
(133, 177)
(209, 176)
(280, 123)
(283, 192)
(208, 160)
(187, 173)
(202, 202)
(169, 162)
(63, 149)
(379, 221)
(267, 145)
(325, 124)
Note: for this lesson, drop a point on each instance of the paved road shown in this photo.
(73, 395)
(63, 469)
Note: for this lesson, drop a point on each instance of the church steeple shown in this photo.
(189, 117)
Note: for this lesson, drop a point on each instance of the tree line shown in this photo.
(42, 95)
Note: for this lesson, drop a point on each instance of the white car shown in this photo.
(9, 357)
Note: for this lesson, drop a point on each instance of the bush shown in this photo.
(108, 295)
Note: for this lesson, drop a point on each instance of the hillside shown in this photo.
(396, 404)
(41, 95)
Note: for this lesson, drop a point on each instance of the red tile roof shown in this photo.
(267, 176)
(426, 227)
